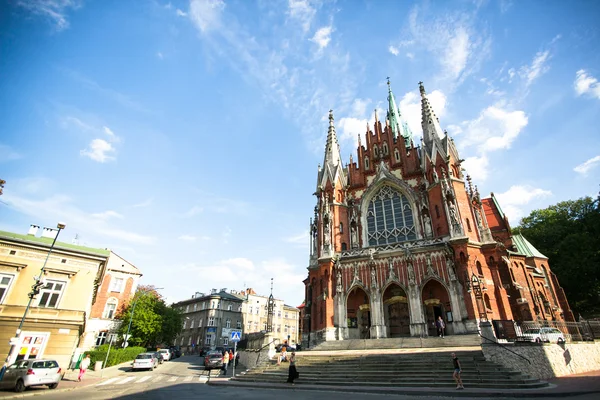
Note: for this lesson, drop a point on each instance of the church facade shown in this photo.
(401, 237)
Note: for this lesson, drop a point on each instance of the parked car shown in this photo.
(213, 359)
(175, 352)
(204, 351)
(544, 335)
(166, 354)
(159, 357)
(145, 361)
(26, 373)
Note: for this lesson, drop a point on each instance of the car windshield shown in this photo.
(215, 356)
(143, 356)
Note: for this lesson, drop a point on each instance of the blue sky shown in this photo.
(186, 135)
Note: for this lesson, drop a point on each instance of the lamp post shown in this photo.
(142, 293)
(35, 289)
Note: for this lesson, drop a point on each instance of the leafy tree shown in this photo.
(153, 321)
(568, 233)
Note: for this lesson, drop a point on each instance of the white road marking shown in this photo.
(173, 379)
(188, 378)
(129, 379)
(108, 381)
(144, 379)
(158, 378)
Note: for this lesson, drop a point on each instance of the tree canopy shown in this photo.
(153, 321)
(568, 233)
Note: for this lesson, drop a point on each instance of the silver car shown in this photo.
(26, 373)
(145, 361)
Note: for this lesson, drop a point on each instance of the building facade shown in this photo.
(58, 313)
(284, 326)
(209, 320)
(118, 287)
(401, 236)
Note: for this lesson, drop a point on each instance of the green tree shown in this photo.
(568, 233)
(153, 321)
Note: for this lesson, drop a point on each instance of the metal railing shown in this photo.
(546, 331)
(505, 348)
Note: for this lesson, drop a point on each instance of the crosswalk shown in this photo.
(133, 380)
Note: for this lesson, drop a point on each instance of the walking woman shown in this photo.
(292, 373)
(85, 364)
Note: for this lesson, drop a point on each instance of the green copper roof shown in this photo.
(498, 206)
(525, 247)
(399, 126)
(48, 241)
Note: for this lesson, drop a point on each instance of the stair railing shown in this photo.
(505, 348)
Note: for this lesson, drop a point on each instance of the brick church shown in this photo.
(401, 236)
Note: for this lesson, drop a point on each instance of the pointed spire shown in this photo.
(399, 126)
(332, 148)
(429, 121)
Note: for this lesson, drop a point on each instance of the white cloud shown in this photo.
(537, 68)
(113, 138)
(410, 56)
(239, 263)
(195, 210)
(322, 37)
(494, 129)
(394, 50)
(350, 128)
(8, 154)
(206, 14)
(54, 10)
(303, 12)
(99, 150)
(586, 84)
(107, 215)
(301, 239)
(160, 55)
(477, 167)
(517, 196)
(410, 107)
(457, 52)
(584, 168)
(180, 13)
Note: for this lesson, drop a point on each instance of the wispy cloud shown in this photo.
(107, 215)
(518, 196)
(538, 67)
(187, 238)
(301, 240)
(181, 13)
(160, 55)
(585, 167)
(303, 12)
(394, 50)
(54, 11)
(586, 84)
(206, 14)
(144, 203)
(7, 153)
(195, 210)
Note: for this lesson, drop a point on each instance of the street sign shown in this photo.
(236, 336)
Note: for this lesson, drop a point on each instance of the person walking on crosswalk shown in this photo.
(225, 362)
(85, 364)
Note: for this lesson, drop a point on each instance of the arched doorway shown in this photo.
(358, 312)
(396, 311)
(436, 303)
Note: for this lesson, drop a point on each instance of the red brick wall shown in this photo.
(104, 294)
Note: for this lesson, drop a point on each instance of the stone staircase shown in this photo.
(423, 368)
(400, 343)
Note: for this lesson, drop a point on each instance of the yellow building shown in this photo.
(57, 316)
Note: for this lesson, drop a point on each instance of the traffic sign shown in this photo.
(236, 336)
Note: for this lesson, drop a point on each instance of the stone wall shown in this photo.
(253, 358)
(547, 360)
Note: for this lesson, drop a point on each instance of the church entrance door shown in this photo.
(396, 311)
(358, 312)
(436, 302)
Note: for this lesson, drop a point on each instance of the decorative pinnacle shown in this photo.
(422, 88)
(330, 117)
(388, 83)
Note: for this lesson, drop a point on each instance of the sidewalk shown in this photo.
(573, 385)
(69, 382)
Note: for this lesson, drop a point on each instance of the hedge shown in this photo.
(116, 356)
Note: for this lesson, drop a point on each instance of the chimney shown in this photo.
(213, 291)
(49, 233)
(33, 230)
(198, 294)
(224, 290)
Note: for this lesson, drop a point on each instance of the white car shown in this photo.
(544, 335)
(145, 361)
(165, 353)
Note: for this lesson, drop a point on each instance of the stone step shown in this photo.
(385, 371)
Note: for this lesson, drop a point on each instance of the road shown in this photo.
(185, 378)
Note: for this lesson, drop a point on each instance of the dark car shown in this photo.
(213, 359)
(204, 351)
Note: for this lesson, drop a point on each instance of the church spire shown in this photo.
(332, 148)
(429, 121)
(399, 126)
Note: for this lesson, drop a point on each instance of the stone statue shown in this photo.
(339, 287)
(391, 271)
(326, 233)
(353, 237)
(314, 238)
(450, 268)
(453, 213)
(411, 274)
(373, 277)
(436, 178)
(430, 270)
(427, 224)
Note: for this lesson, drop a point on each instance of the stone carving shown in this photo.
(430, 270)
(391, 272)
(326, 232)
(339, 288)
(411, 274)
(314, 237)
(356, 278)
(453, 213)
(353, 237)
(373, 277)
(450, 268)
(436, 178)
(427, 225)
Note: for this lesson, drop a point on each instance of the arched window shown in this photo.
(397, 155)
(389, 218)
(468, 225)
(486, 299)
(110, 308)
(385, 149)
(375, 151)
(341, 228)
(437, 211)
(344, 246)
(366, 162)
(479, 269)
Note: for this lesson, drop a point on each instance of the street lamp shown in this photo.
(35, 289)
(125, 344)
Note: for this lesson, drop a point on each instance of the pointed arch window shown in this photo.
(341, 227)
(389, 218)
(397, 155)
(385, 149)
(375, 151)
(366, 162)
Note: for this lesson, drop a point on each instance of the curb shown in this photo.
(480, 393)
(43, 392)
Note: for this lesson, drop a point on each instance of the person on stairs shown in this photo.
(456, 374)
(439, 323)
(292, 373)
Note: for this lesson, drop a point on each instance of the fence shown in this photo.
(546, 331)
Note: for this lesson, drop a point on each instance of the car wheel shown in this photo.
(560, 341)
(19, 386)
(538, 340)
(53, 386)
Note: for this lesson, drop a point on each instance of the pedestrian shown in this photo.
(230, 357)
(225, 362)
(456, 374)
(83, 366)
(439, 323)
(237, 358)
(292, 373)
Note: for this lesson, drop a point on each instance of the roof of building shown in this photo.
(221, 294)
(46, 241)
(526, 248)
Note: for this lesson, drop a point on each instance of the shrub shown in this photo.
(116, 356)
